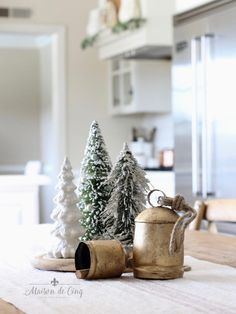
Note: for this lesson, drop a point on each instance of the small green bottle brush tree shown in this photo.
(94, 191)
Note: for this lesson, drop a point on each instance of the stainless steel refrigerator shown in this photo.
(204, 101)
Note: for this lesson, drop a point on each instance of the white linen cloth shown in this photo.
(208, 288)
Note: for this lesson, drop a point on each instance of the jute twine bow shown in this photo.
(188, 214)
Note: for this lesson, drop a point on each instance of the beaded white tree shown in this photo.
(66, 215)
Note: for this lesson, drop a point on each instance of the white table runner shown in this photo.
(208, 288)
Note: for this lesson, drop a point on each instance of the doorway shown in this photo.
(39, 130)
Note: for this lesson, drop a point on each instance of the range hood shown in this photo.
(149, 52)
(153, 40)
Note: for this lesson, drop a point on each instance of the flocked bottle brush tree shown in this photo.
(67, 228)
(94, 192)
(128, 198)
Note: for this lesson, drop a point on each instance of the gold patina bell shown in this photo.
(159, 238)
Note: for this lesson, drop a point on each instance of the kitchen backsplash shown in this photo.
(164, 125)
(152, 141)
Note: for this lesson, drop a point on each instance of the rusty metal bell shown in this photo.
(158, 240)
(100, 259)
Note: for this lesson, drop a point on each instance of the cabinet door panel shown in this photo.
(127, 89)
(116, 101)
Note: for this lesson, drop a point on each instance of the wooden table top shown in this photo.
(216, 248)
(8, 308)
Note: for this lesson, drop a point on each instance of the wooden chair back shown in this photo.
(215, 210)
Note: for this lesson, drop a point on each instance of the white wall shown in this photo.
(86, 77)
(19, 106)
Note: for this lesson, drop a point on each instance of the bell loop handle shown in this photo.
(177, 204)
(159, 199)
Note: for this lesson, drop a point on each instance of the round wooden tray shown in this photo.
(44, 262)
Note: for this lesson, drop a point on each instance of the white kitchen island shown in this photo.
(19, 198)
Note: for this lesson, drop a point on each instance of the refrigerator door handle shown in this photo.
(207, 155)
(204, 55)
(196, 189)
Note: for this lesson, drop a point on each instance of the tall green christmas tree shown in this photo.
(94, 192)
(128, 197)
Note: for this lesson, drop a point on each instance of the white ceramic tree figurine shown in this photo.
(93, 190)
(66, 228)
(127, 200)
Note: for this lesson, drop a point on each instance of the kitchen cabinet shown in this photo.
(139, 86)
(154, 38)
(186, 5)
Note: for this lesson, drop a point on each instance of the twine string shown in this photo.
(188, 214)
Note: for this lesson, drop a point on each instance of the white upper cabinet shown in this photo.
(139, 86)
(186, 5)
(152, 38)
